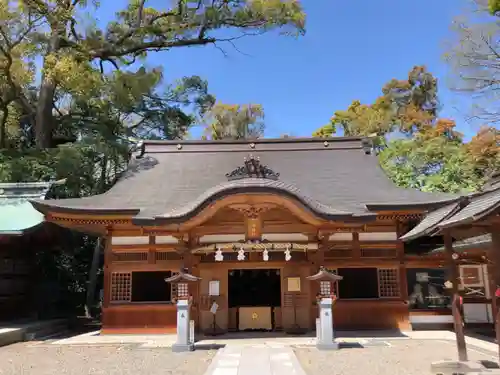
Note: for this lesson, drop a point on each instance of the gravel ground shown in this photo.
(403, 357)
(29, 359)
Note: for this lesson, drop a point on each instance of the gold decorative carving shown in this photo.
(254, 228)
(252, 211)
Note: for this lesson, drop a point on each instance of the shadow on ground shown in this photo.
(209, 346)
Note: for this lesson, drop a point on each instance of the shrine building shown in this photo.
(249, 222)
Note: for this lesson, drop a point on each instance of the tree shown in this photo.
(430, 154)
(494, 6)
(233, 121)
(432, 159)
(484, 149)
(81, 116)
(474, 59)
(76, 56)
(405, 105)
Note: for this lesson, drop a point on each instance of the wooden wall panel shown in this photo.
(300, 314)
(205, 321)
(132, 318)
(370, 314)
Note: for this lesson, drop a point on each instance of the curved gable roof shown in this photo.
(335, 176)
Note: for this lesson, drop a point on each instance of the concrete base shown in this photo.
(12, 332)
(328, 346)
(457, 367)
(181, 348)
(11, 335)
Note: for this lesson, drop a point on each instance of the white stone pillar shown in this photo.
(325, 337)
(183, 343)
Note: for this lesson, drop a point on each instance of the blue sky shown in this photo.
(350, 50)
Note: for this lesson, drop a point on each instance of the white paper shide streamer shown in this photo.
(241, 254)
(219, 257)
(265, 255)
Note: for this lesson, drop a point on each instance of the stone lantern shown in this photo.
(182, 280)
(326, 298)
(185, 338)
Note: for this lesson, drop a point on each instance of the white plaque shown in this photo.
(214, 308)
(213, 288)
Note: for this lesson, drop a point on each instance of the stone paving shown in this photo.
(239, 354)
(255, 359)
(398, 357)
(33, 358)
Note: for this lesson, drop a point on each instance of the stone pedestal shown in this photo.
(183, 343)
(325, 336)
(460, 368)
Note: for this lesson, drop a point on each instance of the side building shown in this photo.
(22, 233)
(253, 219)
(470, 229)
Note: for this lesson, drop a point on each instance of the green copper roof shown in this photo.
(16, 214)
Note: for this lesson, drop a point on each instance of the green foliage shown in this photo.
(433, 165)
(227, 121)
(96, 95)
(93, 87)
(431, 156)
(405, 105)
(82, 63)
(494, 6)
(62, 274)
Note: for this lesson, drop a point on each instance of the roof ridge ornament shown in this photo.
(252, 168)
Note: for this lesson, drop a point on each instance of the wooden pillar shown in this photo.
(356, 247)
(107, 270)
(494, 256)
(152, 250)
(400, 247)
(454, 279)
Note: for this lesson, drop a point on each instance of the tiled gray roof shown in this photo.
(431, 221)
(478, 207)
(467, 210)
(172, 179)
(248, 185)
(478, 242)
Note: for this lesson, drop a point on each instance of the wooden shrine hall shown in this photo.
(249, 222)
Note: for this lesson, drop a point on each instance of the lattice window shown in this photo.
(388, 283)
(130, 257)
(174, 288)
(121, 287)
(326, 288)
(182, 290)
(161, 256)
(338, 253)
